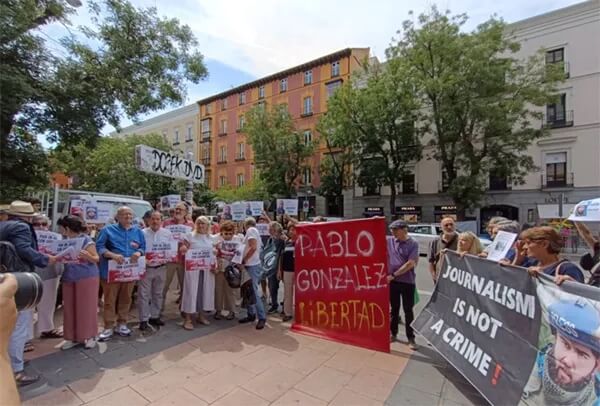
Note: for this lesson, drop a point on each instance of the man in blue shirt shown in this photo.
(403, 254)
(117, 242)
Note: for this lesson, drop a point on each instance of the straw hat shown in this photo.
(21, 209)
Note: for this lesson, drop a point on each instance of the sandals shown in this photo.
(51, 334)
(230, 316)
(188, 325)
(28, 347)
(23, 380)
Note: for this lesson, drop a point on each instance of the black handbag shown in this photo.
(233, 276)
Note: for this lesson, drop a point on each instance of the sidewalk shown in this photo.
(231, 364)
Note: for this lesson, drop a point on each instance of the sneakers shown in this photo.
(105, 335)
(90, 343)
(412, 345)
(261, 324)
(143, 326)
(67, 345)
(157, 322)
(202, 319)
(123, 330)
(247, 319)
(273, 309)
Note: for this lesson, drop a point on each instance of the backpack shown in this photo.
(10, 261)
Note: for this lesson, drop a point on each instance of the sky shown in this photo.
(243, 40)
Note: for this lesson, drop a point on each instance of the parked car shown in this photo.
(424, 234)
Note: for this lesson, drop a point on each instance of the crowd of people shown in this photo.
(266, 261)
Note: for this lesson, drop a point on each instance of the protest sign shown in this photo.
(226, 213)
(499, 248)
(239, 254)
(97, 213)
(178, 231)
(514, 337)
(254, 208)
(238, 211)
(45, 239)
(199, 259)
(161, 252)
(157, 162)
(342, 292)
(228, 249)
(287, 206)
(169, 201)
(126, 272)
(263, 229)
(587, 211)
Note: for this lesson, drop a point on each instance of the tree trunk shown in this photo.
(393, 201)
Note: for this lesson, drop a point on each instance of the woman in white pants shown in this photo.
(51, 277)
(199, 285)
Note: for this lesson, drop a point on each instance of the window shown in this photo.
(261, 104)
(497, 181)
(335, 69)
(307, 138)
(308, 77)
(408, 184)
(372, 190)
(307, 109)
(189, 133)
(555, 56)
(176, 136)
(241, 152)
(208, 108)
(332, 87)
(223, 154)
(165, 135)
(307, 176)
(241, 123)
(240, 179)
(224, 104)
(242, 98)
(283, 85)
(222, 180)
(556, 169)
(261, 92)
(556, 112)
(223, 129)
(206, 154)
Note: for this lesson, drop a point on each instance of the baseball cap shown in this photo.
(398, 224)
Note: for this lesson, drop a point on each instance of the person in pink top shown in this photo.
(181, 217)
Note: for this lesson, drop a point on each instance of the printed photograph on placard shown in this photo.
(238, 211)
(169, 201)
(287, 206)
(226, 213)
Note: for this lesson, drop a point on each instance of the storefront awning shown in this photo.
(550, 211)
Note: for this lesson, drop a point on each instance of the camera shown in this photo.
(29, 290)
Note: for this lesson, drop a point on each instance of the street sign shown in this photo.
(157, 162)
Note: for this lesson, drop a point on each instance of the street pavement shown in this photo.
(231, 364)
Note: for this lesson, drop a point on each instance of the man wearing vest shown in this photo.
(448, 240)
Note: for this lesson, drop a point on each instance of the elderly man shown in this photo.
(117, 242)
(180, 218)
(150, 289)
(403, 255)
(448, 240)
(17, 229)
(251, 262)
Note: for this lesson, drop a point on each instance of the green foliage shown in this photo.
(204, 197)
(280, 153)
(482, 104)
(110, 167)
(138, 62)
(24, 166)
(253, 190)
(374, 118)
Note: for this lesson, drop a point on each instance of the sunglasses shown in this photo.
(40, 224)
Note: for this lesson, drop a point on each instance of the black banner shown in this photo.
(485, 320)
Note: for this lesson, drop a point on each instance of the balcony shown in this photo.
(206, 136)
(556, 122)
(206, 161)
(557, 182)
(240, 157)
(306, 114)
(222, 133)
(221, 161)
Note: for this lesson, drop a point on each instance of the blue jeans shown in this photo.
(19, 337)
(255, 272)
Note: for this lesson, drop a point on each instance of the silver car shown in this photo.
(424, 234)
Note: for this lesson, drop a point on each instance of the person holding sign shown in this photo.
(403, 255)
(116, 242)
(448, 240)
(199, 280)
(80, 288)
(271, 259)
(150, 289)
(251, 262)
(226, 250)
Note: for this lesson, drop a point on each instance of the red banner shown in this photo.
(342, 292)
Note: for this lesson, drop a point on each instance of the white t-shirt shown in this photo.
(253, 234)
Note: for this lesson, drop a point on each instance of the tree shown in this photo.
(25, 160)
(253, 190)
(127, 63)
(375, 117)
(110, 167)
(482, 103)
(280, 153)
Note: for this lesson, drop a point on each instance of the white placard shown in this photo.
(199, 259)
(157, 162)
(587, 210)
(239, 254)
(501, 245)
(45, 239)
(263, 229)
(254, 208)
(178, 231)
(161, 252)
(66, 251)
(127, 271)
(169, 201)
(238, 211)
(97, 213)
(287, 206)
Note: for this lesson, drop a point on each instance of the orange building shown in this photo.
(62, 180)
(224, 149)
